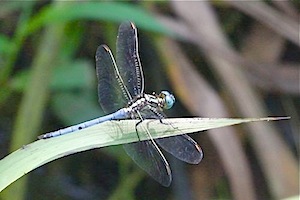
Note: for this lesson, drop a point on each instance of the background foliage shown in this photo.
(221, 59)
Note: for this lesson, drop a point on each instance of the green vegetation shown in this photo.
(48, 81)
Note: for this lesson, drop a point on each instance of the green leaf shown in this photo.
(69, 76)
(108, 11)
(73, 108)
(5, 44)
(73, 75)
(40, 152)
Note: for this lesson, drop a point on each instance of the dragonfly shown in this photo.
(121, 96)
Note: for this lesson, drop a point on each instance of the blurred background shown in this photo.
(220, 59)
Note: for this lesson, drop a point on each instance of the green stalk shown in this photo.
(29, 116)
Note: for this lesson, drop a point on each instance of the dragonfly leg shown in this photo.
(137, 132)
(158, 114)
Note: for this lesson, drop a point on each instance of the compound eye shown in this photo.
(169, 100)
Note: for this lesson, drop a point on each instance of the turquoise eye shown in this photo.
(169, 99)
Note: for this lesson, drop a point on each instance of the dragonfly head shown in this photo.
(168, 98)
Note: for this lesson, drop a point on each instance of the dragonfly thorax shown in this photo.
(164, 100)
(142, 101)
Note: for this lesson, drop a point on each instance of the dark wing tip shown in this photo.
(167, 183)
(199, 155)
(125, 25)
(132, 25)
(102, 47)
(100, 52)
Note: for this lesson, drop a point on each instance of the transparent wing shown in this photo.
(148, 157)
(128, 60)
(112, 94)
(182, 147)
(145, 154)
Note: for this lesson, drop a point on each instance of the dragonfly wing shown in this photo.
(182, 147)
(112, 95)
(128, 60)
(148, 157)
